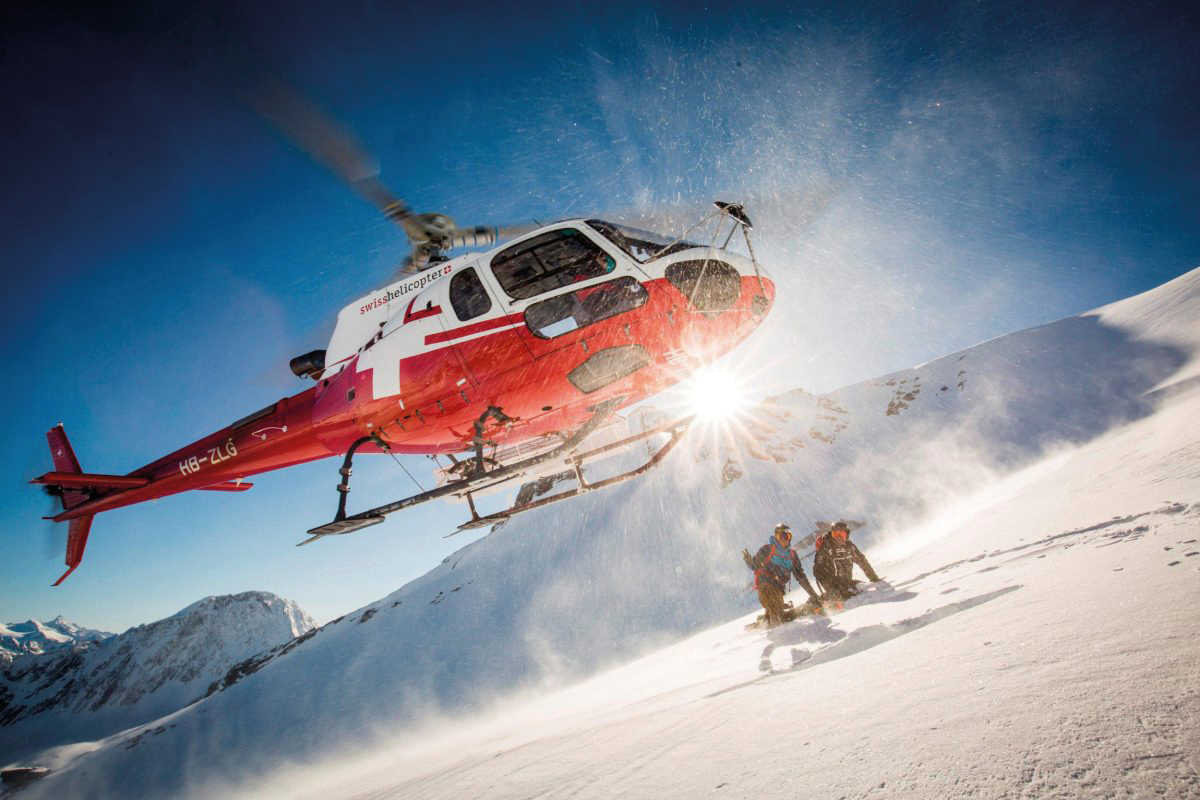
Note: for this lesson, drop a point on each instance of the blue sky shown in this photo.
(923, 178)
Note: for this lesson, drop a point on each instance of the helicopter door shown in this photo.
(533, 272)
(483, 334)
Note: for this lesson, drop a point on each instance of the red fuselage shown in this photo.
(449, 372)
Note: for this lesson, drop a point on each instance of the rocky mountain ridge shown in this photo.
(33, 637)
(95, 687)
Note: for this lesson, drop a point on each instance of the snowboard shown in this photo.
(867, 593)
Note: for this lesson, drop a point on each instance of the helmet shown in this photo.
(782, 530)
(840, 525)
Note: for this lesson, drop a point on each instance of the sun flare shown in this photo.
(717, 393)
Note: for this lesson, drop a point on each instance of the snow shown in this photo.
(1038, 526)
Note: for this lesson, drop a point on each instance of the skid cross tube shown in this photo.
(675, 429)
(348, 524)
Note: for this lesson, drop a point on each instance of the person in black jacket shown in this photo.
(833, 563)
(773, 564)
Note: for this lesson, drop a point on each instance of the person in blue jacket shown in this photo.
(773, 565)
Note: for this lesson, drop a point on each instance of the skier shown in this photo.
(774, 562)
(833, 564)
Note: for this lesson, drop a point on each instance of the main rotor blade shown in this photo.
(334, 146)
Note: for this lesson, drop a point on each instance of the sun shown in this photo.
(716, 393)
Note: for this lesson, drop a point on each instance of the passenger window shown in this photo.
(550, 261)
(578, 309)
(468, 296)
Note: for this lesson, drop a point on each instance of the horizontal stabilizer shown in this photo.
(76, 542)
(228, 486)
(90, 480)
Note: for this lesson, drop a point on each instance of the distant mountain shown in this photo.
(31, 636)
(89, 687)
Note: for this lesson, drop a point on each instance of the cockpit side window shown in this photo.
(573, 310)
(468, 295)
(550, 261)
(709, 285)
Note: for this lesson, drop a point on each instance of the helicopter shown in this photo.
(510, 363)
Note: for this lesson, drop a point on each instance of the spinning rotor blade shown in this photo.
(334, 146)
(54, 534)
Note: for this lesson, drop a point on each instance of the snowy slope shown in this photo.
(1042, 649)
(148, 671)
(1097, 410)
(31, 636)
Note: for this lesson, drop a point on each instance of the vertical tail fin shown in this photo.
(76, 541)
(64, 459)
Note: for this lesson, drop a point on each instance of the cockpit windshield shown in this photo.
(642, 245)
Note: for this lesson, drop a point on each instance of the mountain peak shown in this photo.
(255, 603)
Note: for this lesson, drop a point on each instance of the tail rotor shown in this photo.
(54, 534)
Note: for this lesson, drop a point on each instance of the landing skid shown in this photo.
(676, 430)
(480, 477)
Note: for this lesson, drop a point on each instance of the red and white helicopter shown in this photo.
(507, 362)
